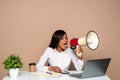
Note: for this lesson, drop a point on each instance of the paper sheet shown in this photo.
(45, 74)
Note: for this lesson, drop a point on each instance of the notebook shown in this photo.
(94, 68)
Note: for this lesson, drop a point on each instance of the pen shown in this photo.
(49, 72)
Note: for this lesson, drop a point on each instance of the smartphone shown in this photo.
(65, 72)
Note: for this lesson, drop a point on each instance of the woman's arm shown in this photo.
(42, 61)
(77, 58)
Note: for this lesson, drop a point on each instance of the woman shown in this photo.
(59, 56)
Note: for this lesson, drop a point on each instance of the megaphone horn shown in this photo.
(91, 40)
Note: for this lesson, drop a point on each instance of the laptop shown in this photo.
(94, 68)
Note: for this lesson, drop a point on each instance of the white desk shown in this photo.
(25, 75)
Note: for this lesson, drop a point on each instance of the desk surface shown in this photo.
(25, 75)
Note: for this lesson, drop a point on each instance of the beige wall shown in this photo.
(26, 27)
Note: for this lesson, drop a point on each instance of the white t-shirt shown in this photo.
(60, 59)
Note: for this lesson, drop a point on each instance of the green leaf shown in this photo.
(13, 61)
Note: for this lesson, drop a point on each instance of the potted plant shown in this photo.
(13, 63)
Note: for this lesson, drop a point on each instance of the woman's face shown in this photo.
(63, 43)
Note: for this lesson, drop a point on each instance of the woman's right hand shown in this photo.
(55, 69)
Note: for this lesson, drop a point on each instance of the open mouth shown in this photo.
(65, 45)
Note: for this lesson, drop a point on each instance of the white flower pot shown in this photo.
(14, 72)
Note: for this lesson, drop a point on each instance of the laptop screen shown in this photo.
(94, 68)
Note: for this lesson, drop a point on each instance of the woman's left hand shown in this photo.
(79, 51)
